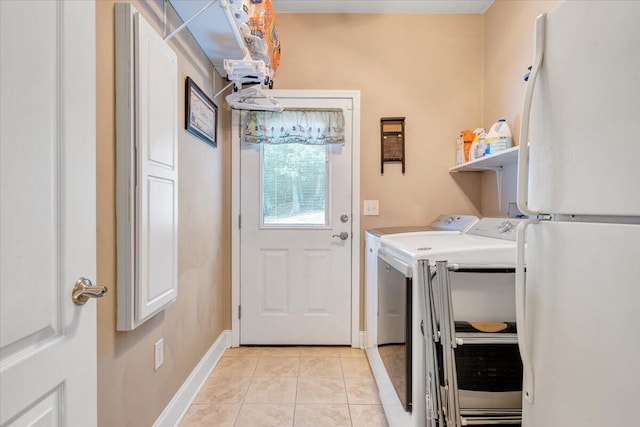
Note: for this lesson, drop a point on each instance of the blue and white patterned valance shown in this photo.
(295, 126)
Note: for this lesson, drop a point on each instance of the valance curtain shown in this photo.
(299, 126)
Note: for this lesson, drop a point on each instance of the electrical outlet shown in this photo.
(372, 207)
(159, 353)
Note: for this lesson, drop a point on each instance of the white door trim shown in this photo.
(354, 95)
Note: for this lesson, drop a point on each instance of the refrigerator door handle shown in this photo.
(521, 299)
(523, 153)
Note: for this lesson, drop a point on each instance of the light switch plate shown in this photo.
(159, 353)
(372, 207)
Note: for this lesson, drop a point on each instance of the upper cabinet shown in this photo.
(215, 29)
(491, 162)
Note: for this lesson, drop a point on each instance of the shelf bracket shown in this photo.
(498, 171)
(188, 21)
(221, 90)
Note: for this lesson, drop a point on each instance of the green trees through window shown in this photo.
(294, 184)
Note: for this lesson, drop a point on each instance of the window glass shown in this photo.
(294, 184)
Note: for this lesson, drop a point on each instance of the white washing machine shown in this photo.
(443, 224)
(489, 245)
(451, 223)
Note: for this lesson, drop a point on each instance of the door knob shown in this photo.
(84, 289)
(343, 236)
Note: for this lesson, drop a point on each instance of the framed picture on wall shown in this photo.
(201, 114)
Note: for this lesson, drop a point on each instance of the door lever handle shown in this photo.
(84, 289)
(343, 236)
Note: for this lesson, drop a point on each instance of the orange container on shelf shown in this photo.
(467, 140)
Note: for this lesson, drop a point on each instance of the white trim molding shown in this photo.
(354, 95)
(177, 408)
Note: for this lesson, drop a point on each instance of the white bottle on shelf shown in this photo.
(477, 147)
(499, 137)
(459, 151)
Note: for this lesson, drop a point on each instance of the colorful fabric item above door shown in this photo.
(295, 126)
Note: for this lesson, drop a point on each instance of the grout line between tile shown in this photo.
(350, 417)
(299, 357)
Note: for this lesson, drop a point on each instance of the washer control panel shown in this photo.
(454, 222)
(499, 228)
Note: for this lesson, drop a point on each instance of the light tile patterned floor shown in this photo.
(289, 387)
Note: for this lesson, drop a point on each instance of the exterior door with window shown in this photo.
(295, 266)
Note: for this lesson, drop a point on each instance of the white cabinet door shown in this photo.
(147, 181)
(584, 146)
(582, 317)
(48, 218)
(157, 192)
(295, 277)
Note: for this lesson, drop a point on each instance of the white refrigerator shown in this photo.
(578, 303)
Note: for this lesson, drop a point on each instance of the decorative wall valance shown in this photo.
(295, 126)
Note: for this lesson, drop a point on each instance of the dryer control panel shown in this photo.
(498, 228)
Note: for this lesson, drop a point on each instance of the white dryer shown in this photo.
(488, 246)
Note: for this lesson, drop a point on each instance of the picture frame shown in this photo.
(201, 114)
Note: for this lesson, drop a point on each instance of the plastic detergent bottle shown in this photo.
(478, 145)
(459, 150)
(499, 137)
(467, 139)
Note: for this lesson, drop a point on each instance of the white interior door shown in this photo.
(295, 273)
(47, 191)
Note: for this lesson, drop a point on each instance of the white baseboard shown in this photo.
(179, 405)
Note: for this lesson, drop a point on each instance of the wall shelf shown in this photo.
(494, 162)
(489, 163)
(215, 30)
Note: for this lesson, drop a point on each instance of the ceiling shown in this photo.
(380, 6)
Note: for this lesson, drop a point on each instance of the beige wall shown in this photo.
(508, 47)
(443, 72)
(427, 68)
(422, 67)
(130, 393)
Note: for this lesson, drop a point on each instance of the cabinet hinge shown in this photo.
(239, 312)
(239, 221)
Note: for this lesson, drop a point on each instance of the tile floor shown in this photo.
(289, 386)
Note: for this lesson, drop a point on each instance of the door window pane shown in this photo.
(294, 184)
